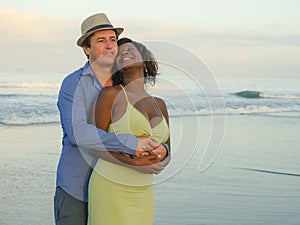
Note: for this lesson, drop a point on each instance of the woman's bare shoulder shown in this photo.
(110, 91)
(160, 102)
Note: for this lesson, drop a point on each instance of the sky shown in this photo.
(235, 38)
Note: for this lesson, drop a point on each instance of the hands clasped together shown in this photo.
(149, 155)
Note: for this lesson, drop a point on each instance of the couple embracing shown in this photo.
(115, 134)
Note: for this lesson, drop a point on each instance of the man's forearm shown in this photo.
(114, 157)
(148, 164)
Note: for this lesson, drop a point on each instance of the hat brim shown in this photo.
(80, 41)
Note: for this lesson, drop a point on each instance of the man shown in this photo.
(75, 102)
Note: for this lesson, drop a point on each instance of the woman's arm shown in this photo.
(163, 108)
(103, 107)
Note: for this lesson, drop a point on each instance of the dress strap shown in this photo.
(124, 93)
(162, 115)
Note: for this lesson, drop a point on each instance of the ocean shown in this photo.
(235, 150)
(29, 99)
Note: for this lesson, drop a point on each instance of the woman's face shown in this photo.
(128, 56)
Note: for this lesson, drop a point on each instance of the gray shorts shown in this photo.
(69, 210)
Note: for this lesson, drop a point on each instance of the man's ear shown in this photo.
(86, 50)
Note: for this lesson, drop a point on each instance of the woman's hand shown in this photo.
(145, 144)
(160, 151)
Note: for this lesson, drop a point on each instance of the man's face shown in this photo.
(103, 48)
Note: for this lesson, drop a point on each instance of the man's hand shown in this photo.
(145, 144)
(147, 164)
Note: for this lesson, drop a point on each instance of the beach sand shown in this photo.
(255, 178)
(29, 156)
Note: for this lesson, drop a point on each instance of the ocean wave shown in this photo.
(259, 94)
(14, 95)
(21, 108)
(47, 117)
(255, 109)
(281, 96)
(249, 94)
(28, 123)
(30, 85)
(271, 172)
(238, 111)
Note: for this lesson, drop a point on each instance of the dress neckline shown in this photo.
(131, 106)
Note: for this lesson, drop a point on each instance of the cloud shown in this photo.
(33, 27)
(255, 38)
(36, 41)
(36, 28)
(190, 35)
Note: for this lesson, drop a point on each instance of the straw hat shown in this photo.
(95, 23)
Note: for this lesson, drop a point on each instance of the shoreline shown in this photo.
(223, 194)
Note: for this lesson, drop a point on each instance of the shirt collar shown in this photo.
(87, 70)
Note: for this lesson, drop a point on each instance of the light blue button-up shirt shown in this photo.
(76, 98)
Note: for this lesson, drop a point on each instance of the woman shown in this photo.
(118, 194)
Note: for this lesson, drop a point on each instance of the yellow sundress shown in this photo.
(119, 195)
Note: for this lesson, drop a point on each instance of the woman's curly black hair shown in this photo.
(150, 70)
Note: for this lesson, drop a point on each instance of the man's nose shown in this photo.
(109, 44)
